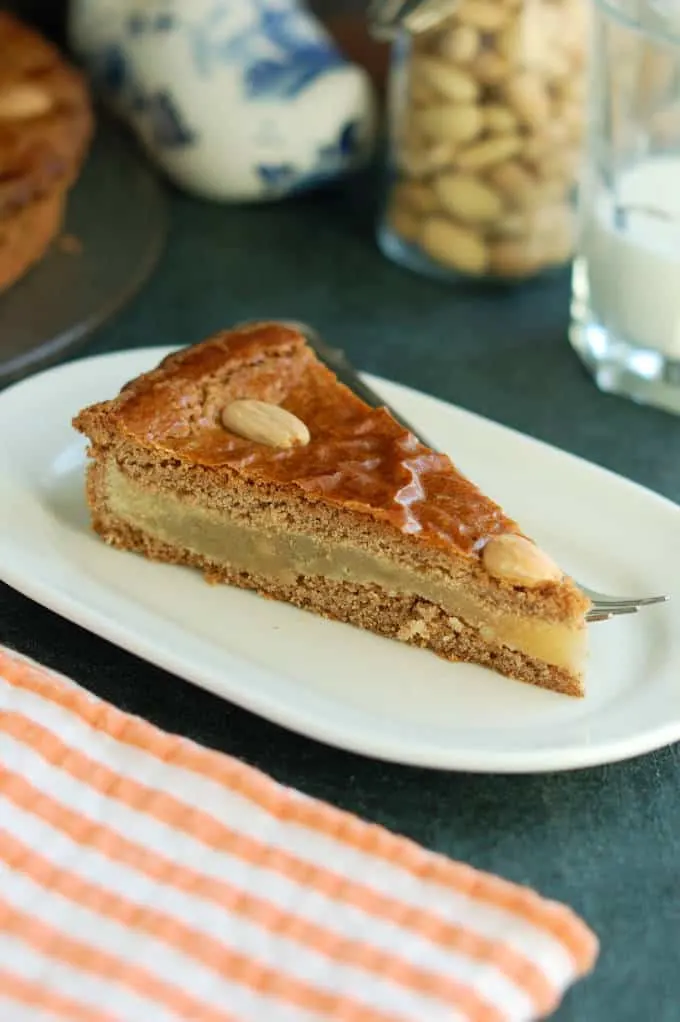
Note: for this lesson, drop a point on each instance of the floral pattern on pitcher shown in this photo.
(235, 99)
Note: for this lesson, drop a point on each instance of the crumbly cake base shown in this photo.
(408, 618)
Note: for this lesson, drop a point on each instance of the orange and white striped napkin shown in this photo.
(144, 878)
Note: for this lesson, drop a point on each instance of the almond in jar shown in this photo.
(487, 115)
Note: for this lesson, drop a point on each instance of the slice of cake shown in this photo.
(245, 457)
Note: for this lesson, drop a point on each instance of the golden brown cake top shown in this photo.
(357, 457)
(45, 116)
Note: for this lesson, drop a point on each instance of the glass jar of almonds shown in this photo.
(486, 119)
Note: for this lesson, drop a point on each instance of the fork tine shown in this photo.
(605, 614)
(620, 606)
(618, 612)
(642, 601)
(591, 617)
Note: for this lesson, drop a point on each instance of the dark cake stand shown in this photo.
(113, 236)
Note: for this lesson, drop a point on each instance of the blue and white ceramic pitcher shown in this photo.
(237, 100)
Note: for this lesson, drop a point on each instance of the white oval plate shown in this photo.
(329, 680)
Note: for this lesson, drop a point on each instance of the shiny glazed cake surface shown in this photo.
(358, 456)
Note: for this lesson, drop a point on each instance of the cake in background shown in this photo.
(45, 128)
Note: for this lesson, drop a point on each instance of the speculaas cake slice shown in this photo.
(245, 457)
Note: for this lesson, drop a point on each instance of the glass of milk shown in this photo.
(626, 280)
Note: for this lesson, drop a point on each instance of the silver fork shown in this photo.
(603, 606)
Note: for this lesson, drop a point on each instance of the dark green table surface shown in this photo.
(605, 840)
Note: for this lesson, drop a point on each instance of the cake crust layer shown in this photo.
(359, 457)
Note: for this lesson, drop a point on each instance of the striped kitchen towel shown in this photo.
(144, 878)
